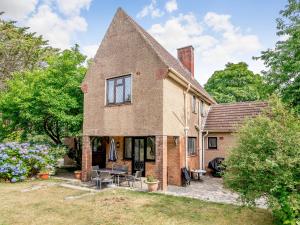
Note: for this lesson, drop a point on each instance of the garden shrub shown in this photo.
(21, 160)
(266, 162)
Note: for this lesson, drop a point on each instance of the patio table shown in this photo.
(116, 173)
(199, 173)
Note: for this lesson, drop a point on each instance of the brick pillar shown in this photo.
(161, 161)
(182, 155)
(86, 158)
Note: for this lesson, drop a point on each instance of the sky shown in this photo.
(220, 31)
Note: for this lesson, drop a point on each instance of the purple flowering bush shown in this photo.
(21, 160)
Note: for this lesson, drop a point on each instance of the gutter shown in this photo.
(183, 81)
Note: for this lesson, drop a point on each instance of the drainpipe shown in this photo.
(199, 136)
(186, 128)
(203, 150)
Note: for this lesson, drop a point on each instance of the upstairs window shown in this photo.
(118, 90)
(194, 104)
(202, 108)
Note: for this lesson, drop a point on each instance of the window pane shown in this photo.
(202, 108)
(150, 154)
(142, 150)
(128, 148)
(119, 81)
(110, 91)
(119, 94)
(136, 150)
(212, 142)
(128, 89)
(191, 146)
(194, 104)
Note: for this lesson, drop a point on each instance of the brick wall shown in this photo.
(161, 161)
(86, 158)
(174, 164)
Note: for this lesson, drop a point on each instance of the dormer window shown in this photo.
(118, 90)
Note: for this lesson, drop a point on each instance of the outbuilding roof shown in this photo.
(227, 117)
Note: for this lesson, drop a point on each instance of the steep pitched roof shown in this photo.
(226, 117)
(167, 58)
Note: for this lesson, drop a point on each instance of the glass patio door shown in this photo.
(138, 159)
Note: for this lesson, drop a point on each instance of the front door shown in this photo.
(138, 158)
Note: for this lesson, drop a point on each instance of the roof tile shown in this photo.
(226, 117)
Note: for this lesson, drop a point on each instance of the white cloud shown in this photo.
(215, 39)
(17, 9)
(171, 6)
(56, 20)
(59, 31)
(151, 10)
(90, 50)
(73, 7)
(219, 22)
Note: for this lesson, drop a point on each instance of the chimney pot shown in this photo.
(186, 57)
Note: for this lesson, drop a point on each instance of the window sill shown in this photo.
(193, 155)
(119, 104)
(212, 149)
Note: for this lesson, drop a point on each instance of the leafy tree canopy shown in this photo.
(236, 83)
(283, 62)
(46, 101)
(20, 50)
(266, 162)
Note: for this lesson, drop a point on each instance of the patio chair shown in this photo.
(101, 177)
(95, 176)
(186, 178)
(95, 167)
(122, 178)
(137, 177)
(105, 177)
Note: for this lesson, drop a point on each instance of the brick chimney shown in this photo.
(186, 57)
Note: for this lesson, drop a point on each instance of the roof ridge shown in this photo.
(240, 103)
(141, 31)
(176, 63)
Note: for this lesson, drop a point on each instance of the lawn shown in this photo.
(53, 205)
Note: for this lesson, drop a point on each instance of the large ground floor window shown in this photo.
(147, 144)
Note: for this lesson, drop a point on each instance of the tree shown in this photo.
(283, 62)
(266, 162)
(20, 50)
(46, 101)
(236, 83)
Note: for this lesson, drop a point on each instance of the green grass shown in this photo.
(115, 206)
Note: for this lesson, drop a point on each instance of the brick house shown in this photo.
(150, 103)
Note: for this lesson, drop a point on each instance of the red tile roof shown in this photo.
(226, 117)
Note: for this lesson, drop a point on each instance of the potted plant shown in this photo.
(43, 174)
(152, 183)
(77, 174)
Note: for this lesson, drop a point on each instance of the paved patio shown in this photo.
(209, 189)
